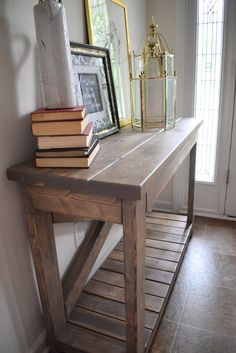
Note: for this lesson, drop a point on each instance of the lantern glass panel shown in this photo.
(153, 103)
(169, 64)
(136, 92)
(170, 101)
(153, 69)
(138, 65)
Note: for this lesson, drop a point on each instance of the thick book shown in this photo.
(68, 152)
(67, 162)
(59, 128)
(80, 140)
(42, 115)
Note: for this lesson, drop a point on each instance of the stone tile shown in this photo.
(221, 240)
(200, 220)
(178, 298)
(165, 337)
(176, 304)
(192, 340)
(220, 223)
(211, 308)
(226, 276)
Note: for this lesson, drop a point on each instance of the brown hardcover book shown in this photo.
(68, 152)
(59, 128)
(41, 115)
(80, 140)
(67, 162)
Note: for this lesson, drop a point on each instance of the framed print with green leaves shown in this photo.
(107, 22)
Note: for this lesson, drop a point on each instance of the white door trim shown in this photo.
(226, 108)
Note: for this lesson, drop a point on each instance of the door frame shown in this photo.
(225, 109)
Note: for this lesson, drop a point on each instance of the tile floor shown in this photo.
(201, 314)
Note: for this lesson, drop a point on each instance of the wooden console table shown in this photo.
(118, 310)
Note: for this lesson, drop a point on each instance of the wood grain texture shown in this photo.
(102, 324)
(108, 291)
(151, 262)
(153, 171)
(164, 215)
(71, 204)
(111, 173)
(43, 248)
(101, 307)
(150, 273)
(82, 263)
(134, 264)
(166, 222)
(125, 169)
(157, 253)
(172, 238)
(80, 340)
(117, 279)
(110, 308)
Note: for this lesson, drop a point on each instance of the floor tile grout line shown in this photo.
(188, 293)
(208, 331)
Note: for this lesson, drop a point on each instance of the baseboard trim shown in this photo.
(208, 214)
(40, 345)
(164, 206)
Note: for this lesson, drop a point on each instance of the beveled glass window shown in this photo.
(210, 24)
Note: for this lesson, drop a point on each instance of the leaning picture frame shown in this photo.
(94, 87)
(107, 23)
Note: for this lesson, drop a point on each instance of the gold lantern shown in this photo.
(154, 84)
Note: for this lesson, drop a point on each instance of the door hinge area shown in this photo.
(227, 177)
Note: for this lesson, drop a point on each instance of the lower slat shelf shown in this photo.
(100, 312)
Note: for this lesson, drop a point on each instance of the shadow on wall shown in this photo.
(20, 316)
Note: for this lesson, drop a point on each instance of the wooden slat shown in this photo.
(111, 308)
(117, 279)
(171, 216)
(67, 204)
(162, 254)
(164, 245)
(153, 243)
(77, 339)
(102, 324)
(82, 263)
(166, 222)
(156, 253)
(165, 229)
(150, 262)
(172, 238)
(43, 248)
(150, 273)
(117, 293)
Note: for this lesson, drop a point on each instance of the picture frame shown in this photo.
(94, 87)
(107, 23)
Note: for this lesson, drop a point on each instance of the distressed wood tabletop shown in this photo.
(126, 166)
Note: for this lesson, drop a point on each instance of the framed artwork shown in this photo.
(107, 22)
(95, 88)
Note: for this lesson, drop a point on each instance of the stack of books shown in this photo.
(64, 138)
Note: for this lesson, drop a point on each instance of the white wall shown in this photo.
(171, 17)
(21, 322)
(164, 13)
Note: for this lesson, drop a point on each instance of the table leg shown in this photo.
(134, 258)
(43, 248)
(191, 184)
